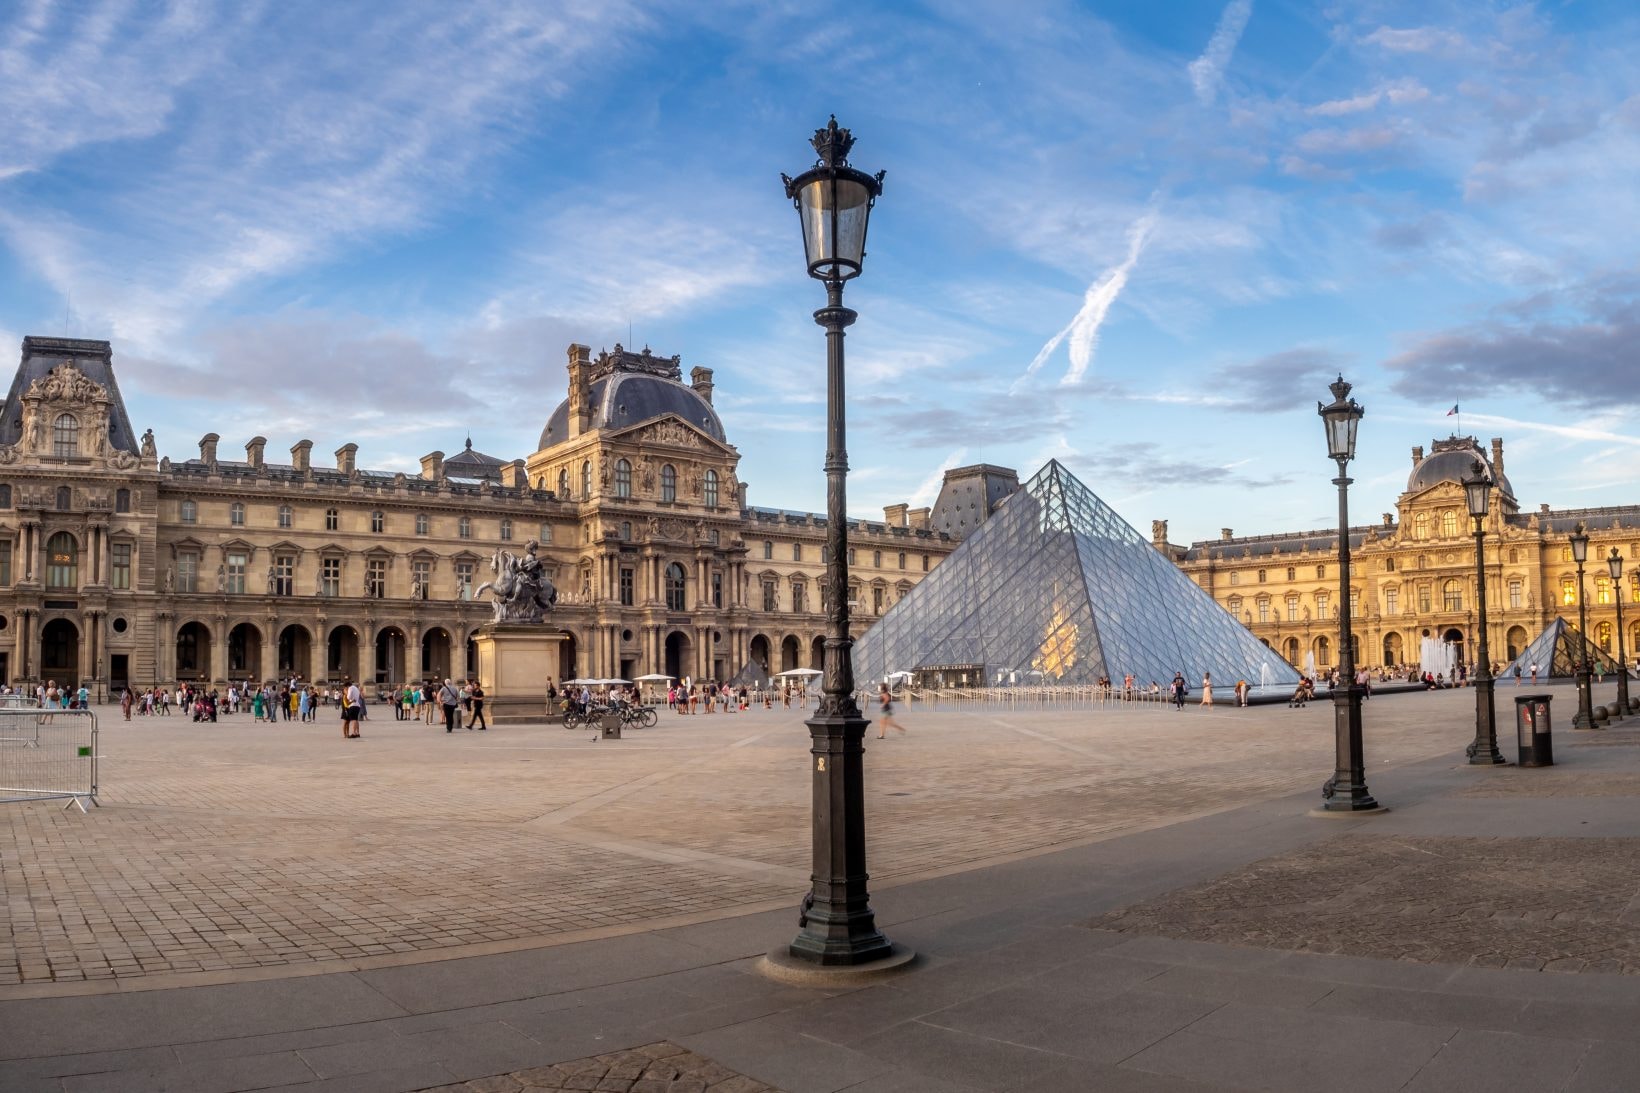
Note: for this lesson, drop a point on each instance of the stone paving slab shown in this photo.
(652, 1068)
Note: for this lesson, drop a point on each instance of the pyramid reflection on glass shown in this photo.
(1057, 588)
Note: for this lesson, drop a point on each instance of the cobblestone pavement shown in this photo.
(1558, 782)
(240, 847)
(1535, 903)
(654, 1068)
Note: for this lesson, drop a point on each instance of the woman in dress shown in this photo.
(1207, 688)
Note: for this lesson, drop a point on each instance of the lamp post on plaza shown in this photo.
(1585, 702)
(1483, 750)
(1346, 790)
(836, 927)
(1614, 562)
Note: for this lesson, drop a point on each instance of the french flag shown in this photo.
(1452, 411)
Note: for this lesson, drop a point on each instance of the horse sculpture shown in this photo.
(520, 591)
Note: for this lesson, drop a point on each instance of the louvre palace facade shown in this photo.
(119, 566)
(1413, 572)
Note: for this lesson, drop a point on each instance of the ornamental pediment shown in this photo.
(66, 383)
(672, 432)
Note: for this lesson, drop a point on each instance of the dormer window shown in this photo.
(65, 436)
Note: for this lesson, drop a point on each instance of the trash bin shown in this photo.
(1532, 731)
(609, 725)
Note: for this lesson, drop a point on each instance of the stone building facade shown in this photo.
(119, 566)
(1413, 573)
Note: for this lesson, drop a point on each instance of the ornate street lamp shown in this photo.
(1483, 750)
(1585, 702)
(837, 926)
(1614, 562)
(1346, 790)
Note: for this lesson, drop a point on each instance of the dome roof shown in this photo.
(1453, 461)
(628, 398)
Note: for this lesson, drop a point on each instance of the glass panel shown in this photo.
(834, 216)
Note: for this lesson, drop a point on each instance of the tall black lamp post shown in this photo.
(1585, 702)
(1346, 790)
(837, 926)
(1483, 750)
(1614, 562)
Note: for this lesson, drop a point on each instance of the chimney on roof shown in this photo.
(1544, 508)
(894, 515)
(701, 380)
(1417, 454)
(207, 449)
(1497, 457)
(1226, 534)
(253, 452)
(301, 456)
(580, 389)
(1158, 535)
(513, 474)
(917, 518)
(346, 458)
(432, 466)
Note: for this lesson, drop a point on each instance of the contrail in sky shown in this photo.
(1207, 71)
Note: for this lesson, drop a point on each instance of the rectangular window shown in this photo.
(5, 563)
(119, 575)
(187, 572)
(1264, 611)
(902, 559)
(421, 575)
(1355, 603)
(375, 578)
(1514, 594)
(717, 590)
(464, 580)
(771, 596)
(626, 587)
(1322, 603)
(236, 573)
(850, 555)
(768, 549)
(876, 601)
(1392, 601)
(1292, 610)
(925, 563)
(877, 559)
(330, 577)
(797, 552)
(1423, 599)
(284, 575)
(1568, 591)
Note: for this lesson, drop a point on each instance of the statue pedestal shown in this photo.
(515, 660)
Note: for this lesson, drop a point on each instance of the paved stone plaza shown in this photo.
(239, 846)
(1133, 900)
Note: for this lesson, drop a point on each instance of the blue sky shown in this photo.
(1140, 237)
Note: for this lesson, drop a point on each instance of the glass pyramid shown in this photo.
(1057, 588)
(1556, 652)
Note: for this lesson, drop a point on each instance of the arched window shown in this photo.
(62, 561)
(65, 436)
(464, 527)
(768, 550)
(1420, 526)
(190, 512)
(122, 500)
(284, 516)
(236, 514)
(506, 530)
(1451, 596)
(377, 522)
(623, 478)
(674, 587)
(1449, 524)
(65, 498)
(333, 519)
(586, 480)
(669, 482)
(1320, 572)
(711, 489)
(1292, 573)
(563, 483)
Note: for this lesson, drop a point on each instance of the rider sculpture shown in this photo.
(520, 590)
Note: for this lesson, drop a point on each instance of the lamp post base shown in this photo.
(781, 966)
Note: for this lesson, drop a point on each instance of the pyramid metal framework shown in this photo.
(1057, 588)
(1556, 652)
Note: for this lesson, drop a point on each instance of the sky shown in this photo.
(1137, 237)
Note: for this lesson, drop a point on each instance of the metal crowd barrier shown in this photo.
(1041, 697)
(48, 755)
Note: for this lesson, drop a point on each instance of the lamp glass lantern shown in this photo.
(1580, 545)
(1614, 565)
(1477, 491)
(834, 204)
(1341, 419)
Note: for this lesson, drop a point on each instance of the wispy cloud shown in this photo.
(1207, 71)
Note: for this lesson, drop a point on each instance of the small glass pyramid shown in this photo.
(1556, 653)
(1057, 588)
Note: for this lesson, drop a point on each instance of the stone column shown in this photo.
(269, 666)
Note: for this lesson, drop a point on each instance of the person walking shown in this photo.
(1178, 688)
(1207, 688)
(476, 698)
(125, 703)
(1517, 675)
(885, 719)
(450, 699)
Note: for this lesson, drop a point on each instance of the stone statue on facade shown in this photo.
(148, 450)
(520, 590)
(170, 579)
(221, 578)
(273, 582)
